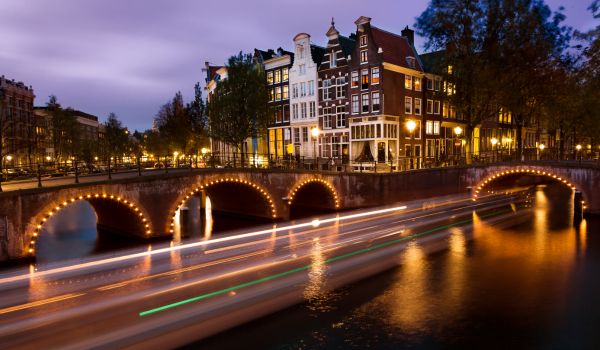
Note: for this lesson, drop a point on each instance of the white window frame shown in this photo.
(355, 100)
(373, 101)
(408, 105)
(408, 79)
(418, 108)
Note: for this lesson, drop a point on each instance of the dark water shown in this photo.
(532, 285)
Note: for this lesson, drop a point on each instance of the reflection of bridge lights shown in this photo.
(259, 189)
(305, 182)
(66, 202)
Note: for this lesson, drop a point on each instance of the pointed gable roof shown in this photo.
(396, 48)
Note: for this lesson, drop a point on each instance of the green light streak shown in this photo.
(307, 267)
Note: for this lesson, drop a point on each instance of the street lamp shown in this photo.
(9, 157)
(541, 147)
(411, 125)
(458, 131)
(494, 142)
(315, 134)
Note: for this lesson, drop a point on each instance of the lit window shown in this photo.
(364, 79)
(277, 77)
(278, 93)
(436, 128)
(429, 127)
(363, 40)
(417, 84)
(270, 78)
(285, 74)
(450, 69)
(445, 110)
(354, 83)
(286, 92)
(408, 82)
(375, 75)
(363, 56)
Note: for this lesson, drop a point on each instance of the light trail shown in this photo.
(192, 245)
(306, 267)
(40, 303)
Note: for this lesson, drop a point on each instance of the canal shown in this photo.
(531, 283)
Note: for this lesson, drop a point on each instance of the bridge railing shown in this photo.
(77, 169)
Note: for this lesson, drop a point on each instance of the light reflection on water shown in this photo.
(528, 283)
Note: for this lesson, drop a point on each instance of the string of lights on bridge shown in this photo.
(65, 203)
(258, 188)
(497, 175)
(315, 180)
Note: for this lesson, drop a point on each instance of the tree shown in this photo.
(197, 114)
(63, 125)
(459, 29)
(504, 54)
(239, 106)
(174, 125)
(116, 137)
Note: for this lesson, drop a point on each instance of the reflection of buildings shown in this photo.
(17, 123)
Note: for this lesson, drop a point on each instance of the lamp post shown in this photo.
(494, 142)
(315, 134)
(175, 154)
(577, 155)
(458, 131)
(411, 125)
(541, 147)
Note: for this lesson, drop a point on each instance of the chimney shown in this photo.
(410, 35)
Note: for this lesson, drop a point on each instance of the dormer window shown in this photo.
(410, 61)
(450, 69)
(363, 40)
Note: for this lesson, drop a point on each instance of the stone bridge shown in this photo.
(146, 206)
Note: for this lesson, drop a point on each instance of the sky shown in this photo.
(130, 57)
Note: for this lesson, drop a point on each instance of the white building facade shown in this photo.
(304, 96)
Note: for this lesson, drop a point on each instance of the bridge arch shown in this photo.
(208, 184)
(296, 191)
(497, 174)
(482, 184)
(103, 205)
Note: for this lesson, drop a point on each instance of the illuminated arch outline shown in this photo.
(481, 185)
(207, 184)
(63, 204)
(306, 182)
